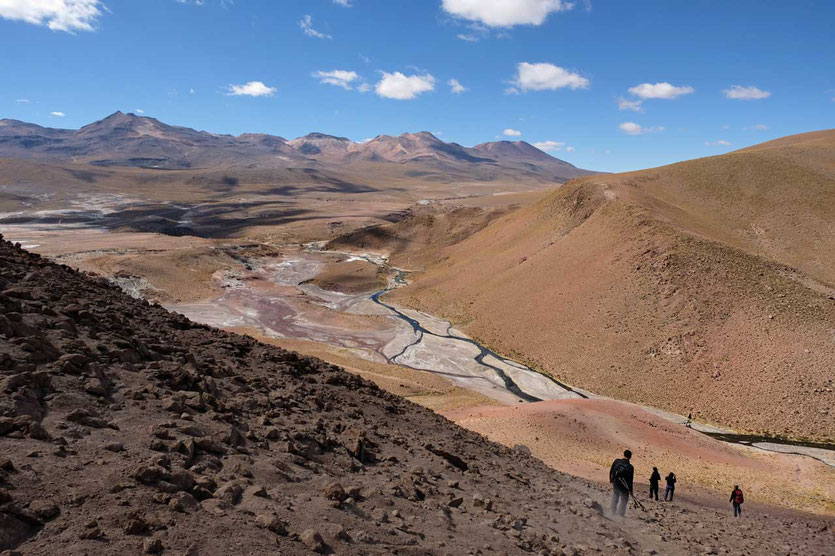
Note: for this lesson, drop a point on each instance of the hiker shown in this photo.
(671, 486)
(737, 498)
(654, 479)
(688, 424)
(620, 475)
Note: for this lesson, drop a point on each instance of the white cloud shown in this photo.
(340, 78)
(467, 37)
(505, 13)
(57, 114)
(543, 76)
(631, 128)
(550, 146)
(718, 143)
(738, 92)
(510, 132)
(58, 15)
(307, 26)
(457, 87)
(22, 101)
(140, 111)
(757, 127)
(251, 89)
(634, 105)
(363, 87)
(571, 149)
(404, 87)
(191, 91)
(660, 90)
(343, 3)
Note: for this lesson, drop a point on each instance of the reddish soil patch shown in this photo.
(579, 437)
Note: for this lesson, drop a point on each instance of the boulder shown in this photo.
(270, 521)
(334, 491)
(183, 502)
(230, 493)
(45, 509)
(152, 546)
(313, 540)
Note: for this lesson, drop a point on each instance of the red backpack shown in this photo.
(739, 498)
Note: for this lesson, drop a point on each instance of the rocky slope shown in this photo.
(704, 286)
(128, 429)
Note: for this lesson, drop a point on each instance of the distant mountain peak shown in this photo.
(118, 119)
(119, 116)
(315, 135)
(421, 145)
(317, 143)
(514, 149)
(423, 135)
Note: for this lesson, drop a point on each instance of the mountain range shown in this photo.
(128, 140)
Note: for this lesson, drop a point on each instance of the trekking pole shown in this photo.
(638, 504)
(634, 500)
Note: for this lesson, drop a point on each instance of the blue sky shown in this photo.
(605, 84)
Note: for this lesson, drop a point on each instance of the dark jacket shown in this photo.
(655, 478)
(627, 475)
(733, 494)
(671, 480)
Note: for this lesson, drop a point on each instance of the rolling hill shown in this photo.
(704, 286)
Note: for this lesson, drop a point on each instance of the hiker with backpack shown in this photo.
(620, 475)
(737, 498)
(654, 479)
(671, 486)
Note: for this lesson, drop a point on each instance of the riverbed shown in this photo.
(276, 298)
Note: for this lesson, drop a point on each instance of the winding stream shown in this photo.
(484, 352)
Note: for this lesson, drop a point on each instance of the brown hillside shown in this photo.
(126, 429)
(705, 285)
(422, 230)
